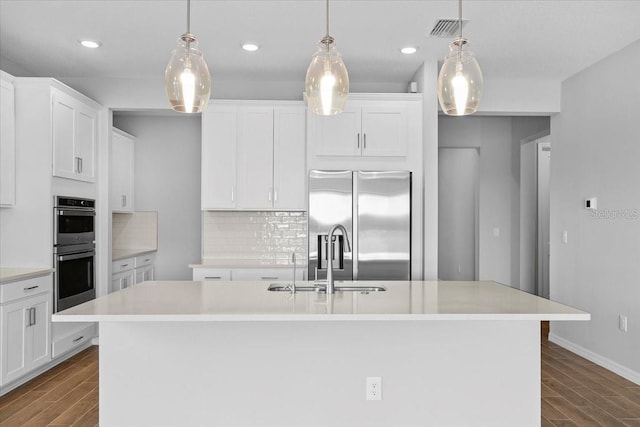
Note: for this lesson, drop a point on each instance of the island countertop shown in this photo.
(250, 301)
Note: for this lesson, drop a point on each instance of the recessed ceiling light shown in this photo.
(409, 50)
(91, 44)
(250, 47)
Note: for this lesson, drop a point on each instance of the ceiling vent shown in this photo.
(446, 28)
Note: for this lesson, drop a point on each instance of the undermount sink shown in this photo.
(279, 287)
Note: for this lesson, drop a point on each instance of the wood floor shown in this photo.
(575, 392)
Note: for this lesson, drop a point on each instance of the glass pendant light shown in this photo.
(186, 79)
(460, 79)
(327, 81)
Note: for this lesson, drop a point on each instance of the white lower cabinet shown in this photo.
(25, 334)
(145, 268)
(122, 274)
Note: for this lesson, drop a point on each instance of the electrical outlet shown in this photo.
(374, 388)
(622, 323)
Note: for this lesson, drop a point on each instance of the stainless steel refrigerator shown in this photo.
(375, 209)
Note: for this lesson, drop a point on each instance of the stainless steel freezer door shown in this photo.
(330, 203)
(383, 225)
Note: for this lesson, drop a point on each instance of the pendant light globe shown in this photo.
(327, 80)
(460, 81)
(187, 79)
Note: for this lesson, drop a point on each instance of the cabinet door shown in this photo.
(7, 144)
(13, 340)
(86, 135)
(337, 135)
(65, 163)
(40, 338)
(219, 132)
(255, 166)
(122, 172)
(384, 131)
(289, 161)
(144, 274)
(116, 283)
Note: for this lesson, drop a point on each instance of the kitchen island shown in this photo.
(236, 354)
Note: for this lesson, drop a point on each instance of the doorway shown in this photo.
(457, 213)
(535, 161)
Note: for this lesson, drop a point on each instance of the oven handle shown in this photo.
(76, 256)
(77, 213)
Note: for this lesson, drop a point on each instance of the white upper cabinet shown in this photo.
(366, 128)
(75, 132)
(289, 167)
(253, 156)
(7, 141)
(219, 142)
(122, 171)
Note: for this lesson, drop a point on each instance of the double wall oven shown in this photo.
(73, 251)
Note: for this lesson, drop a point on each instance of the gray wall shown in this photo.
(167, 180)
(498, 139)
(596, 153)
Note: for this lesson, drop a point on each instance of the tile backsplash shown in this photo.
(266, 237)
(138, 230)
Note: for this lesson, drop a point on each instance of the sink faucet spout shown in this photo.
(330, 253)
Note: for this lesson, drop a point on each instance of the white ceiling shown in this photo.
(523, 39)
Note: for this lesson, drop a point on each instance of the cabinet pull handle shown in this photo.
(32, 316)
(123, 201)
(124, 265)
(77, 164)
(358, 138)
(212, 277)
(364, 145)
(275, 194)
(269, 278)
(30, 288)
(269, 193)
(80, 171)
(78, 339)
(233, 195)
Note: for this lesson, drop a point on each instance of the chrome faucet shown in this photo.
(330, 254)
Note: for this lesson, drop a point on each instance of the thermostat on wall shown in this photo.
(591, 203)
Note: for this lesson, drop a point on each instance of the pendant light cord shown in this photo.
(188, 16)
(460, 17)
(327, 17)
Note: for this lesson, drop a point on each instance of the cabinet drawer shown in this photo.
(71, 341)
(25, 288)
(146, 259)
(211, 274)
(123, 265)
(265, 274)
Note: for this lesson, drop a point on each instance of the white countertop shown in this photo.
(250, 301)
(119, 254)
(8, 275)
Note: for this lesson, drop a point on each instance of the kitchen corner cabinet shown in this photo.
(7, 141)
(253, 157)
(75, 132)
(122, 171)
(25, 336)
(365, 128)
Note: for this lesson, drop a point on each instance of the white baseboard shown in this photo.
(606, 363)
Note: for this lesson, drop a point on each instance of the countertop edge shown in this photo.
(132, 254)
(319, 317)
(24, 274)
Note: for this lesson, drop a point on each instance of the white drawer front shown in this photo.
(265, 274)
(74, 340)
(147, 259)
(211, 274)
(123, 265)
(25, 288)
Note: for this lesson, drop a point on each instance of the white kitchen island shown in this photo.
(234, 354)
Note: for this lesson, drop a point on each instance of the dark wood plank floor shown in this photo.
(575, 392)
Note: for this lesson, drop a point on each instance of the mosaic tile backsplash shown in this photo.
(138, 230)
(266, 237)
